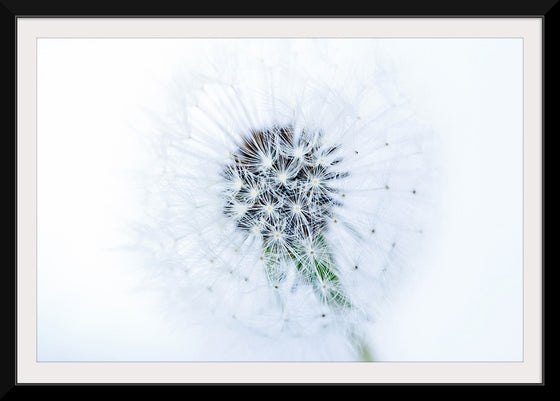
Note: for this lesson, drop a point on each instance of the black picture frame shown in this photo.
(11, 10)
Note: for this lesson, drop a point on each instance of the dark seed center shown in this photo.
(282, 182)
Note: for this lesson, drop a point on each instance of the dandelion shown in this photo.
(292, 190)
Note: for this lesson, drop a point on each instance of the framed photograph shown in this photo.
(266, 199)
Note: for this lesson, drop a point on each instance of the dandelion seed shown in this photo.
(298, 152)
(282, 177)
(253, 193)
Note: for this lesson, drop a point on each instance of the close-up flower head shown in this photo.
(292, 185)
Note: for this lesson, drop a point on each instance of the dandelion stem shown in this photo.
(363, 350)
(321, 272)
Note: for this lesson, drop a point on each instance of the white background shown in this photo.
(92, 305)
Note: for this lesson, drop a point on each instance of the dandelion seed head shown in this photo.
(285, 199)
(286, 187)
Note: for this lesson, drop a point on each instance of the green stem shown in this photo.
(321, 273)
(363, 349)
